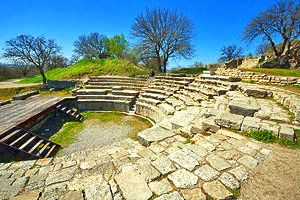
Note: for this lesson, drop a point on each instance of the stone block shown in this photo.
(250, 123)
(229, 120)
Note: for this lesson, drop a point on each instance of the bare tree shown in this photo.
(163, 34)
(93, 45)
(282, 20)
(23, 67)
(262, 48)
(230, 52)
(29, 49)
(57, 61)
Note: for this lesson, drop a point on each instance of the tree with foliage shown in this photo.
(230, 52)
(282, 20)
(35, 50)
(118, 46)
(163, 34)
(91, 46)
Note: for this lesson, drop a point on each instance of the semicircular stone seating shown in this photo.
(190, 152)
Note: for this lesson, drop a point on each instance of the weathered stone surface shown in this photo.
(183, 159)
(207, 173)
(170, 196)
(248, 161)
(27, 196)
(250, 123)
(270, 126)
(195, 193)
(254, 92)
(240, 173)
(217, 162)
(72, 195)
(164, 165)
(205, 144)
(197, 149)
(154, 134)
(228, 154)
(160, 187)
(229, 181)
(183, 178)
(216, 190)
(98, 190)
(60, 176)
(133, 186)
(148, 172)
(210, 125)
(88, 165)
(229, 120)
(243, 106)
(230, 134)
(287, 133)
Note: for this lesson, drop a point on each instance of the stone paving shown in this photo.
(172, 168)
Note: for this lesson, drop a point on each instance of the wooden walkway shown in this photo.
(14, 114)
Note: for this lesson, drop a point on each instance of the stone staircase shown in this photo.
(69, 112)
(109, 93)
(31, 145)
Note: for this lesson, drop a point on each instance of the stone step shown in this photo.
(167, 109)
(157, 91)
(175, 82)
(51, 150)
(154, 96)
(117, 84)
(186, 99)
(174, 102)
(154, 134)
(149, 111)
(108, 96)
(103, 105)
(150, 101)
(109, 88)
(207, 93)
(92, 92)
(162, 88)
(117, 78)
(169, 85)
(35, 146)
(185, 117)
(227, 85)
(132, 93)
(175, 78)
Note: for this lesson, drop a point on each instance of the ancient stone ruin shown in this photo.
(191, 152)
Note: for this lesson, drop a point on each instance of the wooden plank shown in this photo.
(10, 135)
(17, 140)
(50, 151)
(35, 146)
(27, 142)
(43, 149)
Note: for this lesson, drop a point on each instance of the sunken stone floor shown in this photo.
(172, 168)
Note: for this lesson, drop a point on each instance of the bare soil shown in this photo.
(278, 177)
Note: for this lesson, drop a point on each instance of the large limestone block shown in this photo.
(229, 120)
(250, 123)
(154, 134)
(245, 107)
(287, 133)
(133, 186)
(216, 190)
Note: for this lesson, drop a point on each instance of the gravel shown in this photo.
(98, 136)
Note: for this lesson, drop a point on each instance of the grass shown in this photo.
(88, 67)
(8, 93)
(278, 72)
(268, 137)
(188, 71)
(69, 131)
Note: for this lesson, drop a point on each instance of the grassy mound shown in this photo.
(88, 67)
(277, 72)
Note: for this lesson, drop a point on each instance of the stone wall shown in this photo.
(257, 77)
(59, 85)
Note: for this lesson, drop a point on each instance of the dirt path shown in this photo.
(276, 178)
(13, 84)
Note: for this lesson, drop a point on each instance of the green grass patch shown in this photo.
(88, 67)
(188, 71)
(68, 133)
(278, 72)
(268, 137)
(8, 93)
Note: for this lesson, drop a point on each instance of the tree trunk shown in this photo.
(43, 75)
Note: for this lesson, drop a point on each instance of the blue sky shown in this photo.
(217, 22)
